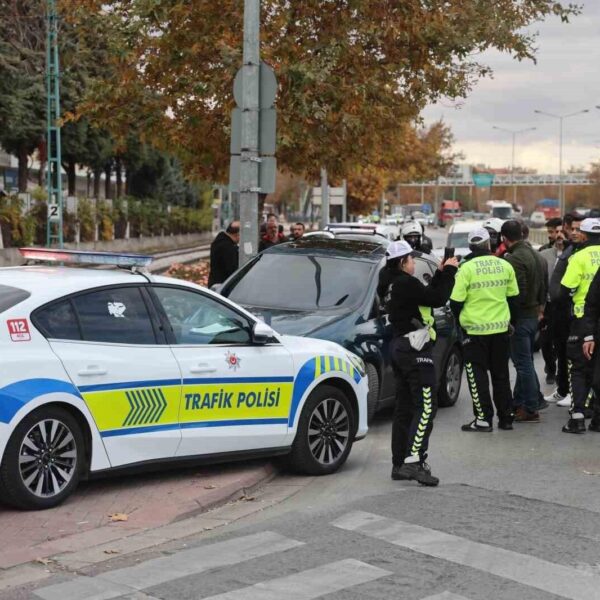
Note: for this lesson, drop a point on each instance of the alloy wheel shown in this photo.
(328, 431)
(48, 458)
(453, 375)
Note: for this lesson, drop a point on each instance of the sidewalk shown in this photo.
(144, 502)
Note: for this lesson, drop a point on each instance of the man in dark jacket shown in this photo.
(590, 330)
(531, 278)
(224, 254)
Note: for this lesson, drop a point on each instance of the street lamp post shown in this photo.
(514, 133)
(561, 118)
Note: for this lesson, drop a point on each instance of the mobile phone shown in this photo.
(448, 253)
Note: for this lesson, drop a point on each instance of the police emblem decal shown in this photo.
(233, 361)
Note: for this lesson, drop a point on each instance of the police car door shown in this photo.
(236, 394)
(109, 344)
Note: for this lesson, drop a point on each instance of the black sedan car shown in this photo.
(326, 288)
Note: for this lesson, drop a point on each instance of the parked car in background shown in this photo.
(326, 288)
(449, 210)
(458, 235)
(537, 219)
(420, 217)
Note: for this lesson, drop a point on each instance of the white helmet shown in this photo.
(494, 224)
(412, 228)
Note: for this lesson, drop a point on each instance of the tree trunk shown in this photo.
(127, 182)
(71, 169)
(119, 174)
(23, 157)
(97, 175)
(107, 182)
(41, 173)
(88, 183)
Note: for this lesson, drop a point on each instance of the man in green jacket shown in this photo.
(485, 285)
(532, 280)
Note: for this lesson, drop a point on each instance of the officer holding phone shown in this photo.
(481, 300)
(409, 304)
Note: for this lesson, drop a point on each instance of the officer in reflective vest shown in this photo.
(481, 300)
(409, 304)
(578, 277)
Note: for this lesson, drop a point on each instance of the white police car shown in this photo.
(108, 368)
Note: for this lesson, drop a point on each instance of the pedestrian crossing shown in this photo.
(343, 573)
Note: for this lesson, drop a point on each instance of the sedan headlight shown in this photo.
(358, 363)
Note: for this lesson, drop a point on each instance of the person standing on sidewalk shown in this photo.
(561, 305)
(555, 358)
(410, 305)
(581, 270)
(528, 311)
(224, 254)
(485, 287)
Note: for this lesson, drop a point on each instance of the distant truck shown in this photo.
(449, 210)
(501, 210)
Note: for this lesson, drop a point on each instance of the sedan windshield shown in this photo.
(458, 240)
(300, 282)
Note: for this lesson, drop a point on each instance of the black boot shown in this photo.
(594, 425)
(415, 472)
(505, 423)
(574, 426)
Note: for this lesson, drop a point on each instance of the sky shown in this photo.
(565, 79)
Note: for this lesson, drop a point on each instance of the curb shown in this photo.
(245, 484)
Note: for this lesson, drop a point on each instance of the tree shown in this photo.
(349, 71)
(22, 89)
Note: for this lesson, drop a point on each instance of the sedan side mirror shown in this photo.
(262, 333)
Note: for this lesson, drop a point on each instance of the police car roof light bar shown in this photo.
(84, 257)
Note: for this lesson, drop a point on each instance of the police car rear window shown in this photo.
(11, 296)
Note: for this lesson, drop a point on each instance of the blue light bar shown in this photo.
(81, 257)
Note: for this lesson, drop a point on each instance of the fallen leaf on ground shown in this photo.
(590, 473)
(210, 487)
(249, 498)
(44, 561)
(111, 552)
(118, 517)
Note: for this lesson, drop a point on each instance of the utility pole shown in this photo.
(345, 205)
(561, 118)
(513, 133)
(54, 226)
(324, 199)
(250, 160)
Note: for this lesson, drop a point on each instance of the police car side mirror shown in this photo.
(262, 333)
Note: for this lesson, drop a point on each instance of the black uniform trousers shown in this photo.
(547, 341)
(483, 353)
(416, 400)
(558, 331)
(581, 376)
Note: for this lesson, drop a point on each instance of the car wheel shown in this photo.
(373, 394)
(325, 433)
(451, 379)
(43, 459)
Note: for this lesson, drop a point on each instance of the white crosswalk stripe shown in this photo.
(522, 568)
(446, 596)
(162, 570)
(309, 584)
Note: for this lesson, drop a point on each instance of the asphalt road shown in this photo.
(515, 517)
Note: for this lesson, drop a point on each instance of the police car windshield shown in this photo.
(11, 296)
(300, 282)
(458, 240)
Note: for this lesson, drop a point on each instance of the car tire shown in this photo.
(373, 394)
(316, 449)
(43, 460)
(450, 381)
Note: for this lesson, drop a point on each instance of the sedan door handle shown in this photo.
(92, 371)
(202, 368)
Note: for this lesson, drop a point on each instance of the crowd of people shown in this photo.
(503, 294)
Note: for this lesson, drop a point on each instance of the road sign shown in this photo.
(336, 196)
(267, 131)
(54, 213)
(266, 177)
(268, 87)
(483, 179)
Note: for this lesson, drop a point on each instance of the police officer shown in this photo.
(581, 270)
(412, 232)
(590, 329)
(494, 226)
(481, 300)
(409, 305)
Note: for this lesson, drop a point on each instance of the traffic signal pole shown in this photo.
(54, 227)
(250, 159)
